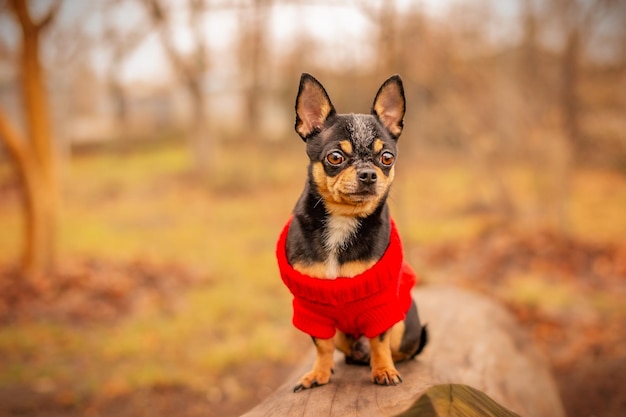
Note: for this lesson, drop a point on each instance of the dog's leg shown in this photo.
(343, 342)
(383, 370)
(322, 368)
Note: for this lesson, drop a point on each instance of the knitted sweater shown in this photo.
(367, 304)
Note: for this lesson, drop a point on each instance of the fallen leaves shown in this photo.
(575, 290)
(89, 290)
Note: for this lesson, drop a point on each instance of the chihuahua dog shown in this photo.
(340, 254)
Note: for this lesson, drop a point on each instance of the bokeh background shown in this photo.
(148, 162)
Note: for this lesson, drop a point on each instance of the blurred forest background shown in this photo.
(148, 163)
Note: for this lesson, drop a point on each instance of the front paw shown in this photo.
(313, 379)
(386, 376)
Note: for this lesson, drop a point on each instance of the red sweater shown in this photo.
(367, 304)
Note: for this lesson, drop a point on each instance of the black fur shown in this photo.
(415, 336)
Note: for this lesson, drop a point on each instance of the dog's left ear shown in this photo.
(389, 105)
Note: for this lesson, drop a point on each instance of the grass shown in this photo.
(145, 205)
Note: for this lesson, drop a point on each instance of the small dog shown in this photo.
(340, 253)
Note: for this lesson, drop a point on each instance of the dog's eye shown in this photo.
(387, 158)
(335, 158)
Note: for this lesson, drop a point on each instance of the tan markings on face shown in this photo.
(391, 176)
(378, 145)
(346, 147)
(338, 191)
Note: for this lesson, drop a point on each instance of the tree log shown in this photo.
(478, 361)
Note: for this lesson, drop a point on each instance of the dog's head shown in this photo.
(352, 155)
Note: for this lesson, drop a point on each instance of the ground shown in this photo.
(160, 400)
(585, 343)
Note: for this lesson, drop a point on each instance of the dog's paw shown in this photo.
(386, 376)
(313, 379)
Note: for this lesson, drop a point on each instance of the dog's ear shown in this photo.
(389, 105)
(313, 107)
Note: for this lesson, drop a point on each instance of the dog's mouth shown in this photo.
(364, 193)
(354, 202)
(361, 196)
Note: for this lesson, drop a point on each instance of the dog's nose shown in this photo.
(367, 176)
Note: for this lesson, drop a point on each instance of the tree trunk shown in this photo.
(42, 188)
(41, 218)
(570, 103)
(252, 51)
(120, 105)
(478, 362)
(200, 141)
(34, 155)
(27, 171)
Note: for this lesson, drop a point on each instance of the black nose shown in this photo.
(367, 176)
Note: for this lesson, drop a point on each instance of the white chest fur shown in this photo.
(340, 230)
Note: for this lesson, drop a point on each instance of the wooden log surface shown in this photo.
(472, 341)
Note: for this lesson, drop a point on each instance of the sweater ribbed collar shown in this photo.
(383, 276)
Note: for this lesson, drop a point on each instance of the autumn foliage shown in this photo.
(145, 211)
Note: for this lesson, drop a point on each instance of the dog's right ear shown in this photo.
(313, 107)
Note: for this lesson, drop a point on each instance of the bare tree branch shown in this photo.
(12, 139)
(20, 9)
(49, 16)
(122, 44)
(159, 18)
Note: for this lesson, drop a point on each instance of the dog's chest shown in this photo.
(340, 231)
(339, 235)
